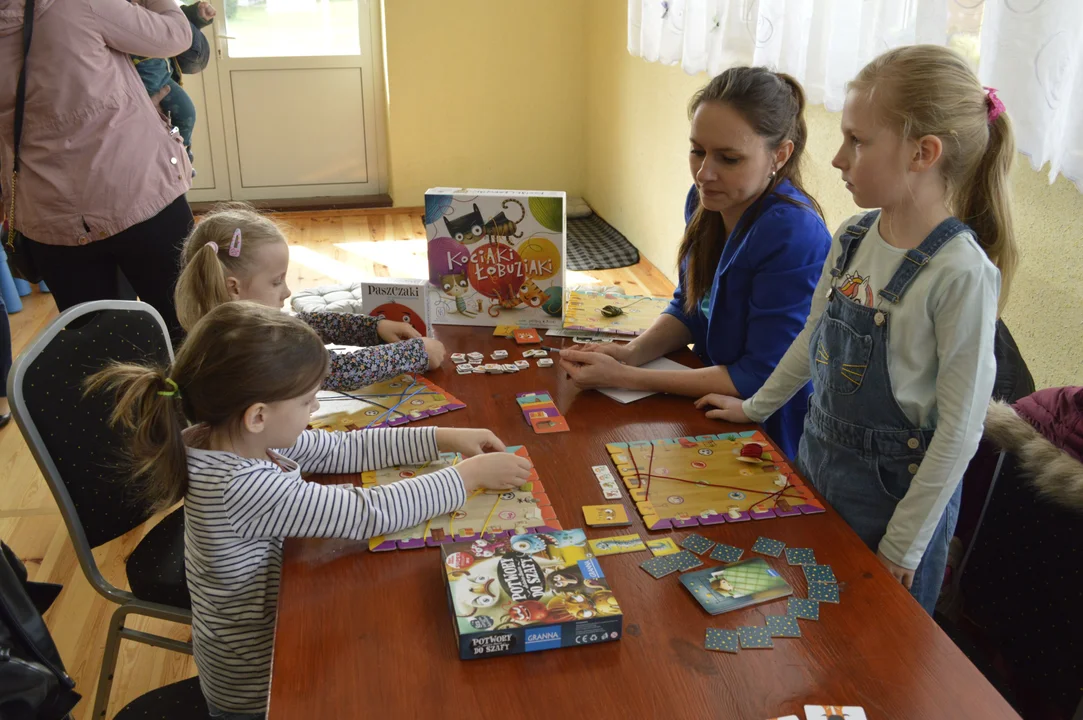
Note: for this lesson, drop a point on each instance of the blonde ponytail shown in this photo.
(201, 286)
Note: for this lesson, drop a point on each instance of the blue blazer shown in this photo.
(760, 299)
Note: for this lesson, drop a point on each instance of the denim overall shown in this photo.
(859, 448)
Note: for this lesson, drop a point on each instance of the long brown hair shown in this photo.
(238, 355)
(931, 90)
(207, 262)
(773, 104)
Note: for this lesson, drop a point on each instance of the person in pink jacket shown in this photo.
(102, 178)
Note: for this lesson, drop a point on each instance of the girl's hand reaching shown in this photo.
(494, 471)
(728, 408)
(468, 441)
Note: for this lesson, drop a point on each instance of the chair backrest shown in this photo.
(79, 454)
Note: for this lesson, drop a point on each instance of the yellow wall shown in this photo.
(637, 177)
(485, 93)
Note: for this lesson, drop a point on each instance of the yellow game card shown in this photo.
(605, 515)
(616, 545)
(506, 331)
(662, 546)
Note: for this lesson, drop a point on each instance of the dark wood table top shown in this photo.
(365, 634)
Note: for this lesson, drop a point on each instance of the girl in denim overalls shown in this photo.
(899, 344)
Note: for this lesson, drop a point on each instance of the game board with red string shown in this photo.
(710, 479)
(400, 400)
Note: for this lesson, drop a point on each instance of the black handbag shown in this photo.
(19, 259)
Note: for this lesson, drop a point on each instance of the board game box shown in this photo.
(749, 582)
(496, 257)
(526, 593)
(405, 300)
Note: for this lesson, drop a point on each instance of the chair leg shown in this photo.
(109, 663)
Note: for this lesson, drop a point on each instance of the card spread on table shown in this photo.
(803, 608)
(527, 336)
(755, 637)
(782, 626)
(800, 556)
(697, 543)
(823, 592)
(659, 567)
(831, 712)
(722, 640)
(819, 573)
(606, 515)
(616, 545)
(662, 546)
(541, 413)
(726, 553)
(505, 331)
(686, 560)
(768, 546)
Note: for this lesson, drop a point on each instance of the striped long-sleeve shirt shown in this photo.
(239, 510)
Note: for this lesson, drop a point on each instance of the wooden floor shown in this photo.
(326, 248)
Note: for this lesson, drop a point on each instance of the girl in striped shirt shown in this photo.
(246, 378)
(234, 253)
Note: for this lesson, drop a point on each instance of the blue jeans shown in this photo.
(157, 73)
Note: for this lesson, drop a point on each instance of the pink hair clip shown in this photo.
(213, 246)
(993, 103)
(235, 244)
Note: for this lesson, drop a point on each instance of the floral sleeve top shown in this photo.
(372, 361)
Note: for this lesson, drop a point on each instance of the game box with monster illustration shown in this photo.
(496, 257)
(526, 593)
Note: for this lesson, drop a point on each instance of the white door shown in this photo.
(291, 105)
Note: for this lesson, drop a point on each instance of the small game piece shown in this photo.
(542, 352)
(505, 331)
(659, 567)
(662, 546)
(475, 356)
(722, 640)
(800, 556)
(522, 364)
(527, 336)
(726, 553)
(465, 369)
(768, 546)
(458, 358)
(827, 712)
(545, 362)
(686, 560)
(500, 355)
(819, 573)
(803, 608)
(697, 543)
(479, 369)
(823, 592)
(616, 545)
(782, 626)
(494, 368)
(606, 515)
(755, 637)
(510, 367)
(610, 488)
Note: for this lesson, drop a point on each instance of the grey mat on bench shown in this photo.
(594, 244)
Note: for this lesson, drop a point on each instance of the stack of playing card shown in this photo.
(610, 488)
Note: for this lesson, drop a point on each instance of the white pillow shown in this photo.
(329, 298)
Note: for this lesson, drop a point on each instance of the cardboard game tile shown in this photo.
(659, 567)
(613, 515)
(616, 545)
(782, 626)
(697, 543)
(685, 560)
(662, 546)
(755, 637)
(803, 608)
(768, 546)
(722, 640)
(726, 553)
(823, 592)
(826, 712)
(800, 556)
(819, 573)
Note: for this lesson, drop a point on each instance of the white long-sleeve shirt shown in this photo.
(940, 361)
(239, 510)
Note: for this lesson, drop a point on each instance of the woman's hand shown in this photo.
(618, 352)
(730, 409)
(468, 441)
(906, 577)
(391, 331)
(593, 369)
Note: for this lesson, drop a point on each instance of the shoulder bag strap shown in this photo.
(20, 107)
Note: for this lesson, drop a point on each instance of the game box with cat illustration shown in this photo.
(496, 257)
(511, 594)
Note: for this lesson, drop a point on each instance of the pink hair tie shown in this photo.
(235, 244)
(993, 103)
(213, 246)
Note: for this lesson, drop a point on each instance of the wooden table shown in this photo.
(370, 634)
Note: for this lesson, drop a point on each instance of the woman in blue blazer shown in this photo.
(753, 249)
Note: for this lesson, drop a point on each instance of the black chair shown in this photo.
(80, 456)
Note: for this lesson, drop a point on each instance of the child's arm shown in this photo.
(267, 503)
(965, 322)
(353, 369)
(343, 328)
(319, 451)
(158, 29)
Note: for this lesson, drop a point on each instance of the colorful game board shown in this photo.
(487, 515)
(583, 312)
(710, 479)
(398, 401)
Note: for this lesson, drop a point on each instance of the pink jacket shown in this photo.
(97, 156)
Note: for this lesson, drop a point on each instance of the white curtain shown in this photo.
(1030, 50)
